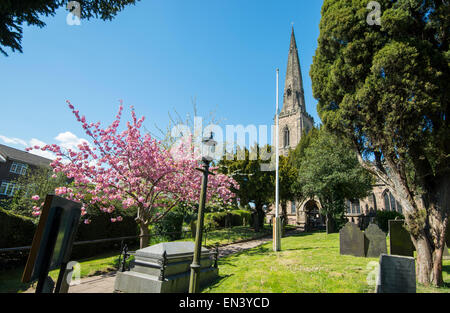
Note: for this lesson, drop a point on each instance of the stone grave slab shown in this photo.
(397, 274)
(351, 240)
(376, 241)
(165, 268)
(399, 239)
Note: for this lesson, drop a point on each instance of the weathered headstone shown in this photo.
(397, 274)
(399, 239)
(376, 241)
(165, 268)
(351, 240)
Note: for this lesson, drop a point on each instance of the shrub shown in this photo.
(382, 218)
(171, 226)
(15, 230)
(244, 216)
(101, 227)
(228, 219)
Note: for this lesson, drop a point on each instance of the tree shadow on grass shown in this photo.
(12, 281)
(302, 234)
(249, 252)
(216, 282)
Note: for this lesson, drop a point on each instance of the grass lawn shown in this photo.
(308, 263)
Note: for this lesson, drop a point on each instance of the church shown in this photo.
(293, 121)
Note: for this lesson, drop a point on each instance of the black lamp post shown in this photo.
(195, 266)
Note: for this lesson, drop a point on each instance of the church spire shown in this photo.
(294, 98)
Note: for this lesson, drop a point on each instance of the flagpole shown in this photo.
(276, 229)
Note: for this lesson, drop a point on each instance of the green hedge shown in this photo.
(101, 227)
(217, 220)
(171, 226)
(382, 218)
(17, 231)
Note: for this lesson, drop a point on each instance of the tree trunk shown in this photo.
(259, 222)
(330, 225)
(429, 242)
(424, 260)
(426, 213)
(284, 217)
(144, 236)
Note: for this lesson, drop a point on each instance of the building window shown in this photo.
(7, 188)
(353, 207)
(387, 205)
(293, 207)
(286, 137)
(390, 204)
(19, 168)
(373, 202)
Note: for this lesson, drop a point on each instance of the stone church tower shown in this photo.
(293, 117)
(293, 121)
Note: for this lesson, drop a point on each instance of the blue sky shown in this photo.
(158, 56)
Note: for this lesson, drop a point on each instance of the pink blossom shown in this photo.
(35, 197)
(134, 169)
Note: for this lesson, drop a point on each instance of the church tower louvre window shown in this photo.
(286, 137)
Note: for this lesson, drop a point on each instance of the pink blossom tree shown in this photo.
(134, 169)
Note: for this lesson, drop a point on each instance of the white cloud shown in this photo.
(69, 141)
(45, 154)
(15, 141)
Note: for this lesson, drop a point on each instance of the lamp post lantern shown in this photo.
(195, 266)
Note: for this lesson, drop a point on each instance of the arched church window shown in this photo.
(353, 206)
(390, 203)
(374, 201)
(293, 207)
(387, 202)
(286, 137)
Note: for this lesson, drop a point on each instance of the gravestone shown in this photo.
(351, 240)
(397, 274)
(376, 241)
(399, 239)
(165, 268)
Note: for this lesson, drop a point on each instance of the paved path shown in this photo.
(105, 283)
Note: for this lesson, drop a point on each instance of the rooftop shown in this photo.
(22, 156)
